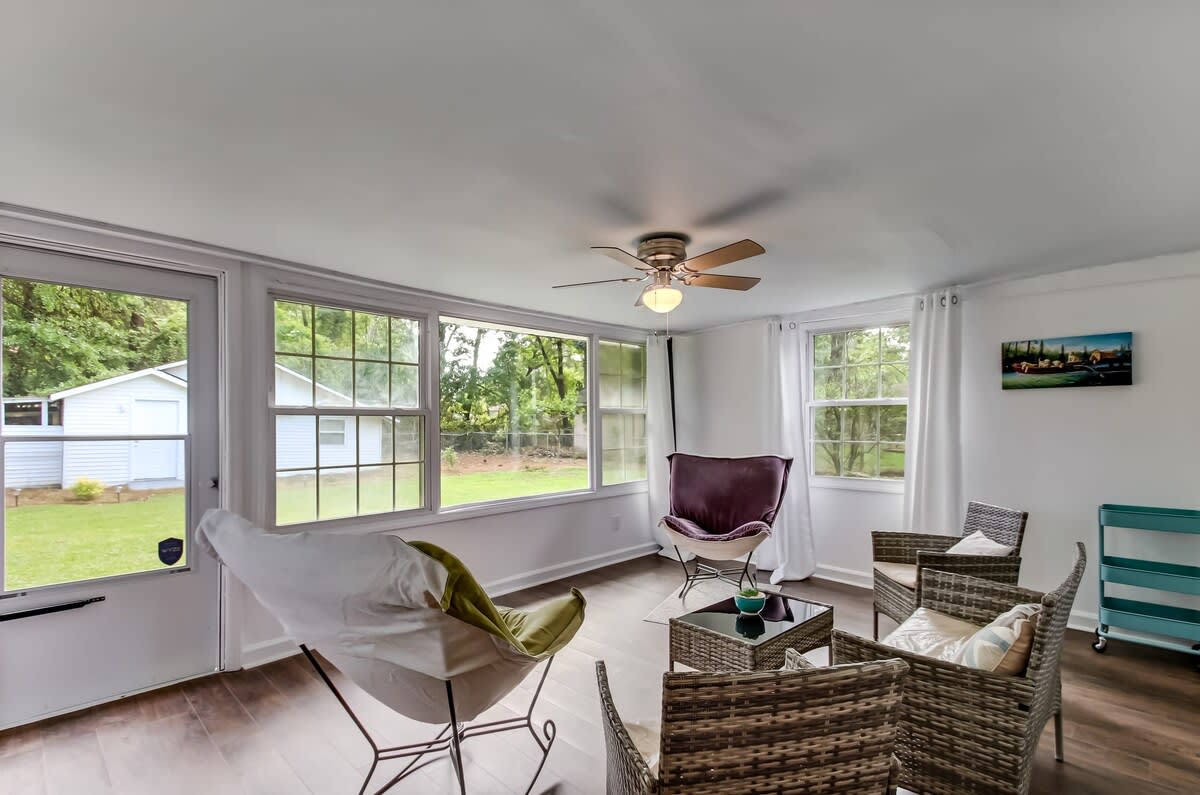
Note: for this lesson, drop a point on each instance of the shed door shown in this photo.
(153, 460)
(101, 592)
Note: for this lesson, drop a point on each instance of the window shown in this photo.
(32, 411)
(622, 411)
(514, 414)
(332, 432)
(349, 420)
(859, 407)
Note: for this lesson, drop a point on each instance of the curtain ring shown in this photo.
(954, 299)
(792, 326)
(922, 304)
(942, 301)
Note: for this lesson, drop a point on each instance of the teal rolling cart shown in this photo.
(1180, 624)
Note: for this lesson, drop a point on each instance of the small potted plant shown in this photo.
(750, 601)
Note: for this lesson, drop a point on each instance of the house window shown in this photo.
(514, 413)
(332, 431)
(622, 411)
(859, 406)
(349, 418)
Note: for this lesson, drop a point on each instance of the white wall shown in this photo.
(1058, 453)
(33, 464)
(721, 397)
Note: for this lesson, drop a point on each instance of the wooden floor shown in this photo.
(1132, 717)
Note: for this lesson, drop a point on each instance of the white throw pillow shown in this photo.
(978, 544)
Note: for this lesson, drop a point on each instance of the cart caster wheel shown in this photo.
(1101, 644)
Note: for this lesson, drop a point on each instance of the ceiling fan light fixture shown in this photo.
(662, 296)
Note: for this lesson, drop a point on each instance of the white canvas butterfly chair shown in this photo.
(406, 622)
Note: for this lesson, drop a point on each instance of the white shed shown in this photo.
(153, 402)
(150, 402)
(296, 437)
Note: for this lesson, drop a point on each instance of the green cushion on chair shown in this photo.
(538, 632)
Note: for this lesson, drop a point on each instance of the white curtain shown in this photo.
(789, 552)
(933, 501)
(660, 433)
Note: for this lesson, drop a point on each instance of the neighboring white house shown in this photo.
(153, 402)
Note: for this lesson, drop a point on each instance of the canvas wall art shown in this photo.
(1091, 360)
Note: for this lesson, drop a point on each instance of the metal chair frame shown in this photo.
(450, 738)
(707, 572)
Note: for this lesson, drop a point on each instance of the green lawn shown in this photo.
(47, 544)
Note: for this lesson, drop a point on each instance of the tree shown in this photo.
(58, 337)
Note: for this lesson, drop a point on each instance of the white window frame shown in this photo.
(602, 411)
(269, 284)
(423, 410)
(885, 485)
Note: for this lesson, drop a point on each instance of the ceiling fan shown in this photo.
(662, 259)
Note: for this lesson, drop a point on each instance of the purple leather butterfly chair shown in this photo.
(721, 509)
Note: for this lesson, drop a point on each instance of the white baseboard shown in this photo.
(274, 649)
(559, 570)
(859, 579)
(1083, 621)
(268, 651)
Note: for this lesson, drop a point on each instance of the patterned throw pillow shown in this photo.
(1003, 646)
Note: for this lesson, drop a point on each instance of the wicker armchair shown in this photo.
(963, 730)
(798, 730)
(897, 600)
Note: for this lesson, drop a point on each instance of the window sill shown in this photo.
(857, 484)
(384, 523)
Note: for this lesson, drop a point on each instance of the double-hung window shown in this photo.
(859, 405)
(514, 412)
(348, 413)
(622, 411)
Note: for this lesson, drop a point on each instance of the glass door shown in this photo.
(108, 441)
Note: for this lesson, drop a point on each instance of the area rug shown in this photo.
(702, 594)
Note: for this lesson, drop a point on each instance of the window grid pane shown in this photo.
(351, 464)
(862, 439)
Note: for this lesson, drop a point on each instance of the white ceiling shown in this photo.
(479, 148)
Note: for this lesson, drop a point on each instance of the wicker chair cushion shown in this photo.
(903, 573)
(1003, 646)
(692, 530)
(932, 634)
(647, 739)
(979, 544)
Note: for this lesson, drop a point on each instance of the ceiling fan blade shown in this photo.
(638, 302)
(622, 256)
(602, 281)
(742, 249)
(723, 282)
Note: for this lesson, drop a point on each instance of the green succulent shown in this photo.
(749, 592)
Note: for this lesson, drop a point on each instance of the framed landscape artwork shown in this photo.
(1092, 360)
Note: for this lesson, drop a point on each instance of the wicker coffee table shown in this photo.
(719, 638)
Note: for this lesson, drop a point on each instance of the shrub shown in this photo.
(87, 489)
(449, 457)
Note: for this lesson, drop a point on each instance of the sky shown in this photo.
(1091, 341)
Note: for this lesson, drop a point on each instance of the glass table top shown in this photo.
(780, 614)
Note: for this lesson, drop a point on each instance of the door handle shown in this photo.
(59, 608)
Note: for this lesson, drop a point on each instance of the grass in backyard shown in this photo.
(48, 544)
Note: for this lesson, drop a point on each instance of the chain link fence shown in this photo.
(525, 443)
